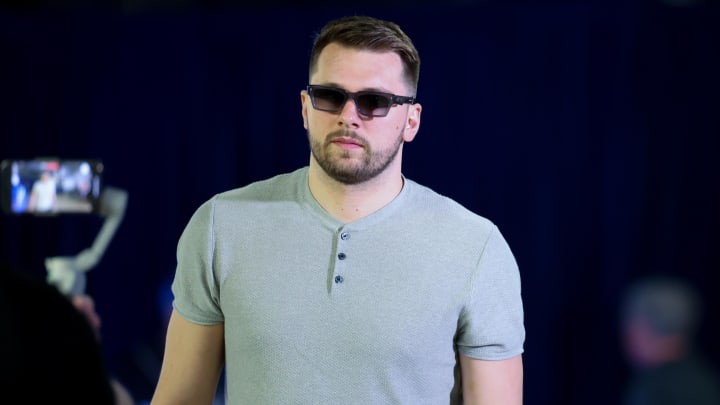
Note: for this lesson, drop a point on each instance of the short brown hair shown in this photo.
(368, 33)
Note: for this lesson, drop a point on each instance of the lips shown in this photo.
(344, 141)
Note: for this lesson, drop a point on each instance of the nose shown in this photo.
(349, 115)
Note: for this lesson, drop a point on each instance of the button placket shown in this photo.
(341, 256)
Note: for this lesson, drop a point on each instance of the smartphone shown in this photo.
(51, 186)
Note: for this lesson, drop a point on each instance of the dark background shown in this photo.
(588, 131)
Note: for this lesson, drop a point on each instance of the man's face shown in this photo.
(350, 147)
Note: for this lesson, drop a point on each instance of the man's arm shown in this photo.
(192, 364)
(492, 382)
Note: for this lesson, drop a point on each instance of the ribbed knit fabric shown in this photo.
(370, 312)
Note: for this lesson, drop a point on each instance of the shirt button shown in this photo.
(339, 279)
(344, 236)
(341, 256)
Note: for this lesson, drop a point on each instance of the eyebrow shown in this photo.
(375, 89)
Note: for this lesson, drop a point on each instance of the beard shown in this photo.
(345, 166)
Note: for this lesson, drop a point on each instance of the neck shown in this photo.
(351, 202)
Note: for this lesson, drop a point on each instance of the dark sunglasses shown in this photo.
(368, 103)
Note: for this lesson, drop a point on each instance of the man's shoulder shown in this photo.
(442, 207)
(278, 186)
(275, 193)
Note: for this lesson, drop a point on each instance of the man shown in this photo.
(43, 197)
(345, 282)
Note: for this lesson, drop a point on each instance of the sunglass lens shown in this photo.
(373, 105)
(328, 99)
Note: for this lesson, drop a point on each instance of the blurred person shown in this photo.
(344, 282)
(19, 196)
(43, 195)
(49, 346)
(660, 319)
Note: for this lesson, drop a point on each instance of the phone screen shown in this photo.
(51, 186)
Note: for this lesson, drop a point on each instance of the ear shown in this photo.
(412, 124)
(304, 100)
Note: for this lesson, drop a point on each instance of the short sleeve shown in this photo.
(195, 286)
(491, 323)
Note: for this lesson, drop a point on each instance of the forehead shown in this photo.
(356, 69)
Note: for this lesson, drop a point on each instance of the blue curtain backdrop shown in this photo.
(587, 131)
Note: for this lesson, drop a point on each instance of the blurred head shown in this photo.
(660, 317)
